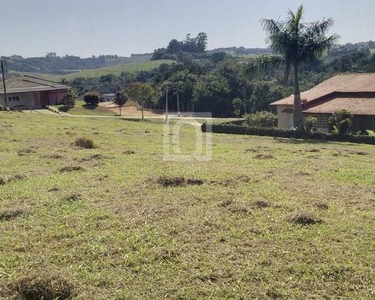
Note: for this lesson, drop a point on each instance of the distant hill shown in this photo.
(241, 51)
(131, 67)
(54, 64)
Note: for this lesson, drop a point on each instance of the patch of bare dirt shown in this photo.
(71, 169)
(11, 213)
(264, 156)
(46, 285)
(262, 203)
(74, 197)
(25, 151)
(179, 181)
(129, 152)
(304, 218)
(92, 157)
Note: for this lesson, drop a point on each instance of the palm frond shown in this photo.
(271, 26)
(320, 27)
(313, 48)
(264, 63)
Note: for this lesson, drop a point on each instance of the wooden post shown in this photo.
(5, 89)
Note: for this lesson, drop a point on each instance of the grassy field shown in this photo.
(115, 70)
(266, 219)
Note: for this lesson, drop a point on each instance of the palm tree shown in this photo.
(298, 42)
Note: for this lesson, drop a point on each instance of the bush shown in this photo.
(308, 124)
(69, 99)
(91, 98)
(341, 122)
(1, 107)
(237, 105)
(262, 119)
(286, 133)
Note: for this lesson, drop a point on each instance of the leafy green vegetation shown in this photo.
(211, 82)
(298, 43)
(267, 218)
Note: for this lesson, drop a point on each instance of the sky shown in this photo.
(93, 27)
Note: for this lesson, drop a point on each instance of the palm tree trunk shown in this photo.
(297, 106)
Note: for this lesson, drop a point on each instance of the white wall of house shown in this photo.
(22, 100)
(284, 119)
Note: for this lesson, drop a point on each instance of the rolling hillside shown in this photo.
(115, 70)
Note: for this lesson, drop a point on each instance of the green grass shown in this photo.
(81, 108)
(116, 233)
(115, 70)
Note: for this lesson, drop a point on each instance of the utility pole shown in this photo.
(166, 104)
(5, 89)
(178, 103)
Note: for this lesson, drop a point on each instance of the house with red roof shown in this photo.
(354, 92)
(28, 92)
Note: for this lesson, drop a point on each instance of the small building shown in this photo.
(27, 92)
(354, 92)
(107, 97)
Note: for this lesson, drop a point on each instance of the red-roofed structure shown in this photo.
(354, 92)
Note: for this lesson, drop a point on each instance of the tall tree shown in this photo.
(120, 99)
(298, 42)
(237, 105)
(141, 93)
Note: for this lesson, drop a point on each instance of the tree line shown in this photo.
(211, 83)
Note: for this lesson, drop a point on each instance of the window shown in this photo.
(13, 98)
(322, 121)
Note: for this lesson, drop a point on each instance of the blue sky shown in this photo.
(93, 27)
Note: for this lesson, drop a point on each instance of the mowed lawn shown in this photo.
(266, 219)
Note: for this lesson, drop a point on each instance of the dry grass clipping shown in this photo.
(85, 143)
(46, 285)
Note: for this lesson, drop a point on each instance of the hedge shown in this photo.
(286, 133)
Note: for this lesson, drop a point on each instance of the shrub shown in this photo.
(1, 107)
(286, 133)
(91, 98)
(308, 124)
(86, 143)
(69, 99)
(341, 122)
(237, 104)
(262, 119)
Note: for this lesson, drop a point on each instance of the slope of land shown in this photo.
(266, 219)
(115, 70)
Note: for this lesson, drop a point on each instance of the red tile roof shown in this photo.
(347, 83)
(356, 106)
(26, 83)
